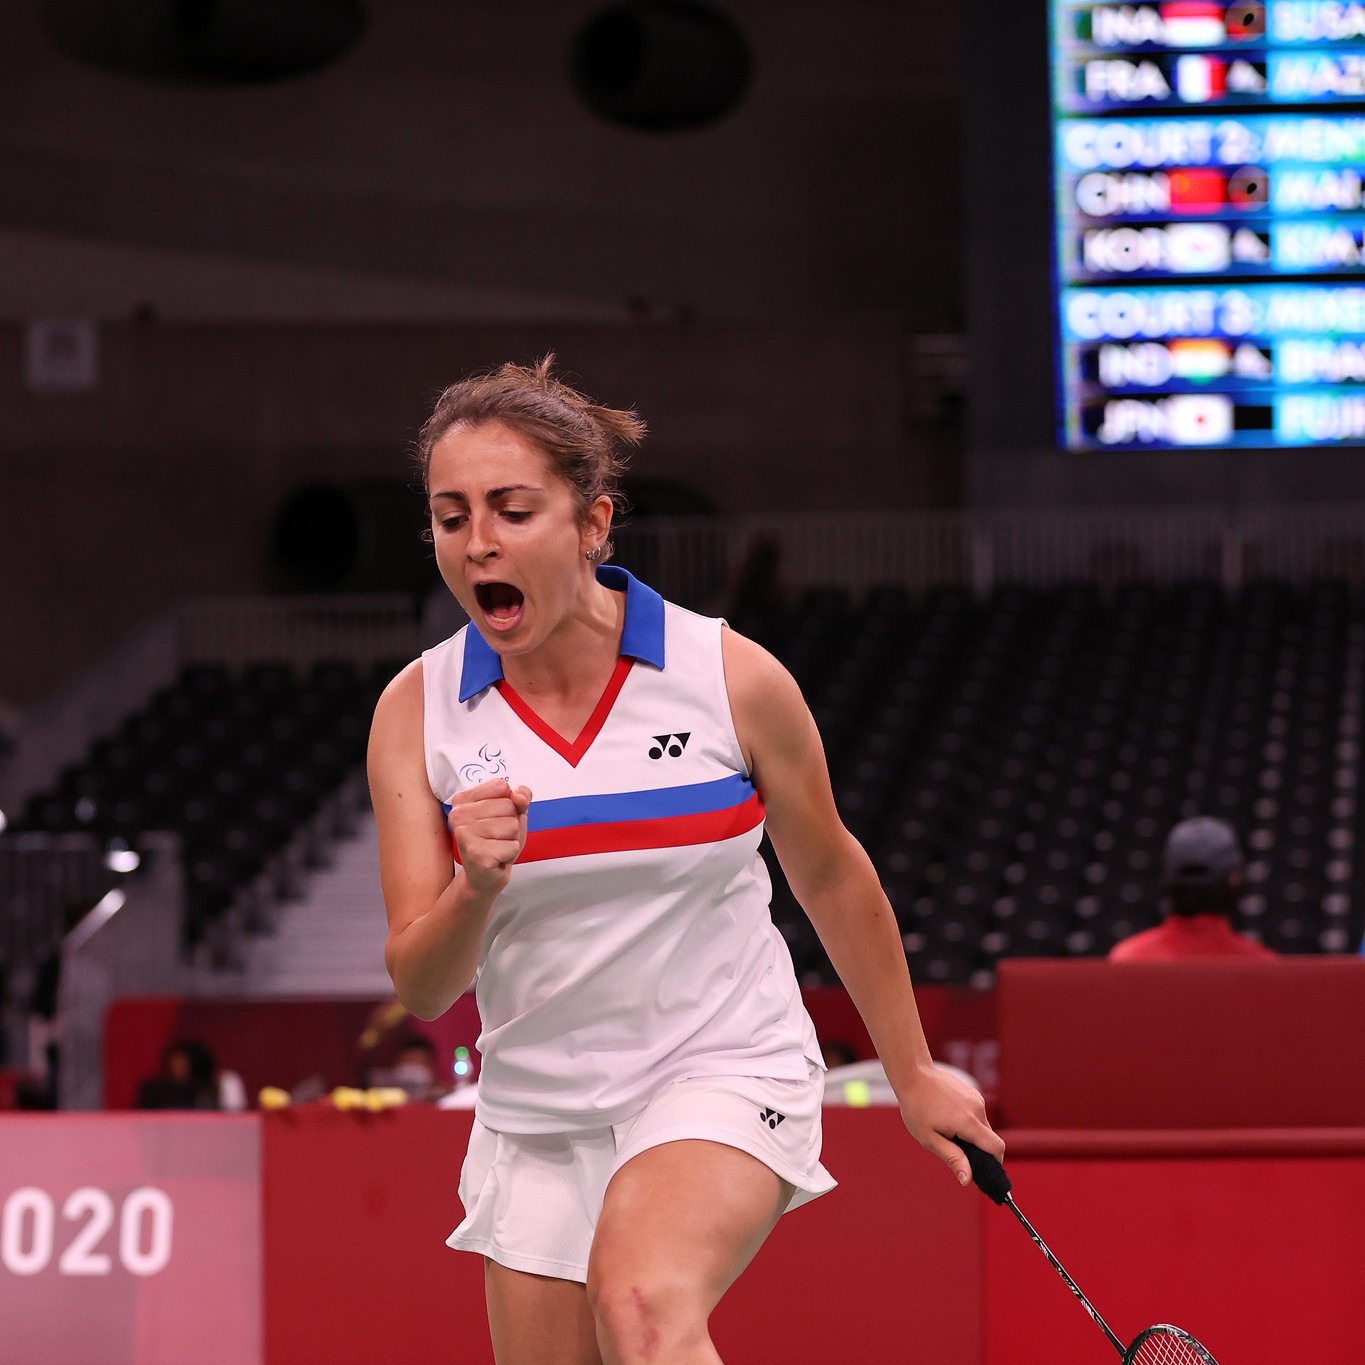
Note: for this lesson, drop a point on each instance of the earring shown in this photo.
(592, 556)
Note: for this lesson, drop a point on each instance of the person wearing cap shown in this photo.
(1201, 877)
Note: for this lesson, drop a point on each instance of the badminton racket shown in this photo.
(1159, 1345)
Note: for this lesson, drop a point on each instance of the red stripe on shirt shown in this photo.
(623, 836)
(570, 752)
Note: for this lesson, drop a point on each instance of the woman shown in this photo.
(649, 1103)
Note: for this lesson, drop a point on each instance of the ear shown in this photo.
(598, 525)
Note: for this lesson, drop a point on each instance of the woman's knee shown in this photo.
(643, 1316)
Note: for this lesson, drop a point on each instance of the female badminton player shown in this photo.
(570, 795)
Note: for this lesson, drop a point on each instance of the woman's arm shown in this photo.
(833, 879)
(437, 912)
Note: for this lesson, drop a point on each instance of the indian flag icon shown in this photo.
(1199, 359)
(1193, 23)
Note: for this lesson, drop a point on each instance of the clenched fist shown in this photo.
(488, 824)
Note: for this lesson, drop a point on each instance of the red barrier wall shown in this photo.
(1250, 1239)
(357, 1209)
(1252, 1242)
(1195, 1044)
(1260, 1256)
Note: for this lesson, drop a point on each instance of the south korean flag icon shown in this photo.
(1198, 248)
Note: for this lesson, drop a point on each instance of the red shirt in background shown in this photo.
(1187, 936)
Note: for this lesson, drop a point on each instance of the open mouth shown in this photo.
(500, 603)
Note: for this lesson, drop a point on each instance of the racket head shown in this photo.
(1166, 1345)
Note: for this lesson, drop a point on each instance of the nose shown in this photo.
(482, 543)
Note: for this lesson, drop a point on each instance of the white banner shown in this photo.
(130, 1239)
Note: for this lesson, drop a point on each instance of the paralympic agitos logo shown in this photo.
(491, 765)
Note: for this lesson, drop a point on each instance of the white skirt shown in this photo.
(532, 1200)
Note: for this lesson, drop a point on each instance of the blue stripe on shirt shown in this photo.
(698, 798)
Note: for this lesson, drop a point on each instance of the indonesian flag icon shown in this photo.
(1193, 23)
(1200, 79)
(1199, 419)
(1197, 189)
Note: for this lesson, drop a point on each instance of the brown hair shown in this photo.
(584, 442)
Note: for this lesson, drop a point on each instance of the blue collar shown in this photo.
(642, 634)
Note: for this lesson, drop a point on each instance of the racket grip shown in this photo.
(987, 1172)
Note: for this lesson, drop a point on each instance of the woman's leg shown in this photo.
(536, 1320)
(679, 1223)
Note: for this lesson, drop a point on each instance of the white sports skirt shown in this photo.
(532, 1200)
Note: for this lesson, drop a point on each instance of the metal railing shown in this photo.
(700, 560)
(45, 880)
(298, 631)
(128, 945)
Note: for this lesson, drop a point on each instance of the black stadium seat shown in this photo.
(1014, 764)
(233, 763)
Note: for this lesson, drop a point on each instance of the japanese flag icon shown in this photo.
(1199, 419)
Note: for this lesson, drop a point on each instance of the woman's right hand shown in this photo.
(488, 824)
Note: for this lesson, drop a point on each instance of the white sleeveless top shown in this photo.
(633, 945)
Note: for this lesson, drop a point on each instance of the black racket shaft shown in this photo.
(992, 1180)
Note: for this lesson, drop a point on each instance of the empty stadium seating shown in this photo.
(235, 764)
(1012, 764)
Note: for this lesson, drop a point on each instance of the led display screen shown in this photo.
(1209, 223)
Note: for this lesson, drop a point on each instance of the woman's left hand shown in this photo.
(938, 1107)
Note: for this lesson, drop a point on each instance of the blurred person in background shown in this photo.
(414, 1068)
(189, 1078)
(836, 1052)
(1201, 881)
(758, 590)
(186, 1079)
(40, 1088)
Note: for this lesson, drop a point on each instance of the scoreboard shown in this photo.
(1209, 223)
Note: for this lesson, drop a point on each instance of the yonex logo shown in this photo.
(672, 745)
(771, 1117)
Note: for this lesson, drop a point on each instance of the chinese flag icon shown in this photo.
(1197, 189)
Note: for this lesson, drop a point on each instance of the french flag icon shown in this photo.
(1193, 23)
(1200, 79)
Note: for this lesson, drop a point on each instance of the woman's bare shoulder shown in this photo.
(397, 724)
(765, 701)
(753, 677)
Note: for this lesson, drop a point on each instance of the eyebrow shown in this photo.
(493, 493)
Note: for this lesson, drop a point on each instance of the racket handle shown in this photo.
(987, 1172)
